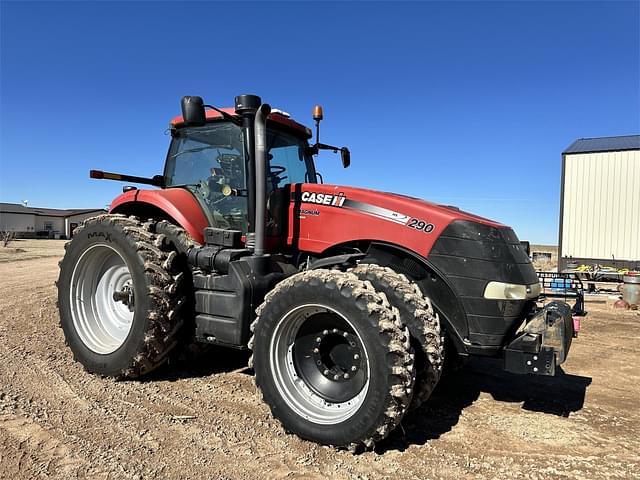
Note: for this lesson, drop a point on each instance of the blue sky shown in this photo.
(467, 104)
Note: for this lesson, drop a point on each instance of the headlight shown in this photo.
(511, 291)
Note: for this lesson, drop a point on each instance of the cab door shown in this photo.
(288, 163)
(209, 161)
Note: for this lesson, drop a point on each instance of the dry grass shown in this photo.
(27, 249)
(546, 266)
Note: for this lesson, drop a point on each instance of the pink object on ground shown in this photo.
(576, 326)
(621, 304)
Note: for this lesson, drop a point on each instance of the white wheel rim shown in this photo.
(102, 323)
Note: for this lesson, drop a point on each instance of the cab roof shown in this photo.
(276, 116)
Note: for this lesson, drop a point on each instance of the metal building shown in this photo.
(30, 222)
(600, 203)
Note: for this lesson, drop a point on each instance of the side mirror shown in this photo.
(193, 110)
(346, 157)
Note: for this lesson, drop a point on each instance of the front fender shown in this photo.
(177, 203)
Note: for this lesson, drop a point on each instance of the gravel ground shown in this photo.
(205, 419)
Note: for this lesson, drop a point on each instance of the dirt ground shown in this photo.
(207, 420)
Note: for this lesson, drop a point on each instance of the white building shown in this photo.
(31, 222)
(600, 203)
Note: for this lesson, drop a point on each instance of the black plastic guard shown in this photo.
(225, 304)
(470, 255)
(543, 343)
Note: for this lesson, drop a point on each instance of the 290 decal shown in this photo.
(421, 225)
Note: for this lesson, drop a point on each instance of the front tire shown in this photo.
(422, 321)
(332, 359)
(120, 296)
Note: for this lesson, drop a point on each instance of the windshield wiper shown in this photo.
(225, 115)
(193, 150)
(195, 185)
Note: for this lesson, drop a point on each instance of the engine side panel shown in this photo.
(177, 203)
(321, 216)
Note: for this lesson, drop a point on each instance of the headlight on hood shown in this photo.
(511, 291)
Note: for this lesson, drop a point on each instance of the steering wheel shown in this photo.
(274, 174)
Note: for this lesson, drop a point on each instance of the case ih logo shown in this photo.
(323, 198)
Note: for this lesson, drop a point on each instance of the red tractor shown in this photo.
(348, 298)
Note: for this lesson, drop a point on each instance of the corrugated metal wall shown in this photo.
(601, 211)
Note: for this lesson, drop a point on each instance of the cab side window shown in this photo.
(287, 161)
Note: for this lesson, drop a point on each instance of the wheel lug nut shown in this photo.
(336, 377)
(318, 339)
(345, 334)
(326, 372)
(356, 357)
(316, 350)
(354, 368)
(346, 375)
(335, 330)
(325, 332)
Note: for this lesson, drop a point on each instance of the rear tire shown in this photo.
(418, 315)
(114, 254)
(332, 359)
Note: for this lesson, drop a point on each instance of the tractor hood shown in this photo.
(326, 215)
(406, 201)
(467, 250)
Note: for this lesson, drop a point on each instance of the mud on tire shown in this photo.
(418, 315)
(332, 359)
(114, 253)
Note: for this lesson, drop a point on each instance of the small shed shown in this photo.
(600, 203)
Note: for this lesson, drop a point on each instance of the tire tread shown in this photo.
(420, 318)
(164, 287)
(381, 316)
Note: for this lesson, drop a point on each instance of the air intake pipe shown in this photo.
(247, 106)
(261, 177)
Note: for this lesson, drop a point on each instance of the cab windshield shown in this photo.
(210, 162)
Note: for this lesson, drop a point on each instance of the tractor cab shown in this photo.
(212, 162)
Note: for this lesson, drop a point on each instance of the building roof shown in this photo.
(604, 144)
(48, 212)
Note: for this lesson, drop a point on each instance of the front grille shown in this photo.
(472, 254)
